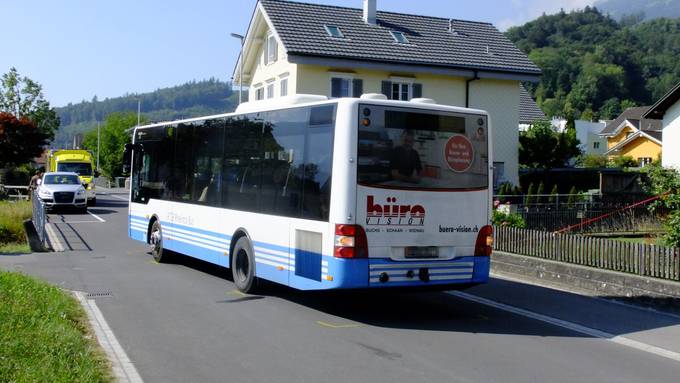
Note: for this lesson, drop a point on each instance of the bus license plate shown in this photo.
(421, 252)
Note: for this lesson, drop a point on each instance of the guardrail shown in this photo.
(39, 218)
(634, 258)
(15, 191)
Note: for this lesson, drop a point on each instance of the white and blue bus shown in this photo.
(321, 194)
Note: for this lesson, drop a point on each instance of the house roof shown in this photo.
(471, 45)
(633, 116)
(650, 135)
(529, 111)
(660, 107)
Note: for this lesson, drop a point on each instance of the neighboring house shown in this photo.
(588, 134)
(632, 135)
(529, 112)
(298, 48)
(668, 109)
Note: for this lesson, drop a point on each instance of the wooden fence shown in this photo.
(635, 258)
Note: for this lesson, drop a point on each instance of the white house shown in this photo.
(588, 134)
(668, 110)
(299, 48)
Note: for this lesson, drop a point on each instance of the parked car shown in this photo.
(62, 189)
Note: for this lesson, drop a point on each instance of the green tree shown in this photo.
(114, 134)
(573, 197)
(542, 147)
(623, 162)
(20, 140)
(539, 192)
(529, 198)
(553, 194)
(665, 182)
(23, 98)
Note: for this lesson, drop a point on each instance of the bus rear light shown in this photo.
(350, 242)
(484, 244)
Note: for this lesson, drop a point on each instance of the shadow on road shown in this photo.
(99, 211)
(109, 203)
(439, 311)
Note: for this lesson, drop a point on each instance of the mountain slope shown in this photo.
(184, 101)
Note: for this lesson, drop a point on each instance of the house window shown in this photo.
(283, 85)
(399, 37)
(498, 174)
(259, 93)
(270, 90)
(644, 161)
(346, 86)
(334, 31)
(596, 145)
(401, 91)
(271, 50)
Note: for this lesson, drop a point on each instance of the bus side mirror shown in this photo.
(127, 158)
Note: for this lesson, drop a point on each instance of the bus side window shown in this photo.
(207, 167)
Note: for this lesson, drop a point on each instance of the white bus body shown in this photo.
(346, 193)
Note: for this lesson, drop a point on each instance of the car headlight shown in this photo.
(81, 192)
(44, 193)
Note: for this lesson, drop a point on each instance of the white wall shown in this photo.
(670, 155)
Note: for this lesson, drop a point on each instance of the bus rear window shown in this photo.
(404, 148)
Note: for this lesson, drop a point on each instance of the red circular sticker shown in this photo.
(458, 153)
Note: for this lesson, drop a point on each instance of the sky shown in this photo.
(81, 48)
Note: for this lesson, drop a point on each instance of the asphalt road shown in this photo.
(185, 322)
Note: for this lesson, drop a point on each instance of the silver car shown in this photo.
(62, 189)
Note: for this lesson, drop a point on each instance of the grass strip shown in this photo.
(45, 335)
(12, 217)
(15, 248)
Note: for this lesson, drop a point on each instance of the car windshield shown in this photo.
(61, 179)
(83, 169)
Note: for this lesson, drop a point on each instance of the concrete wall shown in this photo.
(671, 136)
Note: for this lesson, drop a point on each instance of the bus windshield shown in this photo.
(82, 168)
(405, 148)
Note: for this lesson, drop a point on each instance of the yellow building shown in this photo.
(633, 136)
(299, 48)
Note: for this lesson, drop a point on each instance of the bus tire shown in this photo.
(156, 241)
(243, 266)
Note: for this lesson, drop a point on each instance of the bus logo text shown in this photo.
(393, 214)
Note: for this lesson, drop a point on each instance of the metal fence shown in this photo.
(554, 212)
(634, 258)
(39, 218)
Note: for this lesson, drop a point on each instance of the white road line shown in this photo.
(571, 326)
(96, 216)
(123, 369)
(53, 238)
(118, 197)
(79, 222)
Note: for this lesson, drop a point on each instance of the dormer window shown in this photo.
(399, 37)
(334, 31)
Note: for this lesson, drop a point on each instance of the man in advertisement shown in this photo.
(405, 162)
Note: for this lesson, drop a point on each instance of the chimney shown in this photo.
(369, 11)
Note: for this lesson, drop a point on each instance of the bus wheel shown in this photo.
(243, 266)
(156, 241)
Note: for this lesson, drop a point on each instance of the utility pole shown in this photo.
(139, 109)
(98, 138)
(240, 66)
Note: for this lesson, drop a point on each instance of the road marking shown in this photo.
(96, 216)
(53, 238)
(236, 292)
(118, 197)
(122, 366)
(330, 325)
(571, 326)
(79, 222)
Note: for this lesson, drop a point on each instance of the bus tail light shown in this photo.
(350, 242)
(484, 244)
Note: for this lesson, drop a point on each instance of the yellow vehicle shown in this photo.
(77, 161)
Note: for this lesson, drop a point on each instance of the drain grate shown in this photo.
(99, 294)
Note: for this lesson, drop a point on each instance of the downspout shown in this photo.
(467, 88)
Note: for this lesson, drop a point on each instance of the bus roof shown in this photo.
(311, 100)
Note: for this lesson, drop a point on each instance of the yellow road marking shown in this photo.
(153, 262)
(330, 325)
(236, 292)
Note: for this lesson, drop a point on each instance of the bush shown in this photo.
(624, 162)
(511, 220)
(528, 200)
(593, 161)
(666, 182)
(12, 217)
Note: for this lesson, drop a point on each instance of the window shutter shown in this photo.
(336, 87)
(357, 87)
(387, 89)
(417, 90)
